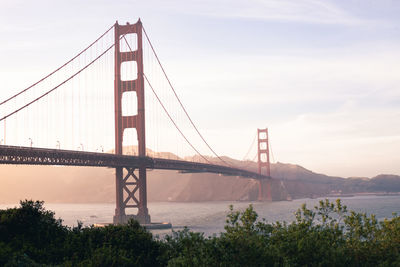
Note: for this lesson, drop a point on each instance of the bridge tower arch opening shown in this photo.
(264, 185)
(131, 182)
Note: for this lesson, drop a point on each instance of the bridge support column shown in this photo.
(264, 190)
(128, 185)
(119, 194)
(143, 213)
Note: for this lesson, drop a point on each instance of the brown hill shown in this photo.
(89, 184)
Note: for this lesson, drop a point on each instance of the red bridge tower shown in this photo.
(264, 186)
(128, 183)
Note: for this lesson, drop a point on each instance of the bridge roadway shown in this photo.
(45, 156)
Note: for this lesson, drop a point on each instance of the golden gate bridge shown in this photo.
(71, 116)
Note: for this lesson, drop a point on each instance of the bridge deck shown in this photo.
(44, 156)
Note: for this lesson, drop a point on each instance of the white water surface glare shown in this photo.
(210, 217)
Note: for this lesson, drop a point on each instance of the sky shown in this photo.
(323, 76)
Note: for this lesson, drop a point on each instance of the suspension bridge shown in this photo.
(96, 109)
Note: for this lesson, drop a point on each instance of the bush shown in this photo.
(31, 232)
(30, 235)
(327, 235)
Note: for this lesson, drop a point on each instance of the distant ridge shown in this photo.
(83, 185)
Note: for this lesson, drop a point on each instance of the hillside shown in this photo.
(89, 184)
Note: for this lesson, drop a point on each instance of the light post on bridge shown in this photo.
(58, 144)
(31, 142)
(80, 147)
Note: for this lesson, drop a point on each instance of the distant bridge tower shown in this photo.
(127, 182)
(264, 186)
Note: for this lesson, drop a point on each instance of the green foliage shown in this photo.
(327, 235)
(112, 245)
(187, 248)
(31, 236)
(314, 239)
(30, 232)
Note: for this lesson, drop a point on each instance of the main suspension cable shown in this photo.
(180, 102)
(251, 146)
(56, 70)
(249, 162)
(172, 120)
(54, 88)
(270, 149)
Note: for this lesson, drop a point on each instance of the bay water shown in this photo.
(209, 217)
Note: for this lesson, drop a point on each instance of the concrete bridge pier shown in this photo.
(264, 190)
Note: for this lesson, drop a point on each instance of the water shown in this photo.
(209, 217)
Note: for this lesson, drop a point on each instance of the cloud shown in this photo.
(308, 11)
(308, 76)
(365, 138)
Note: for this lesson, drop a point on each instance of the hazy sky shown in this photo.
(323, 76)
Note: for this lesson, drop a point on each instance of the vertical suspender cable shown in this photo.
(181, 104)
